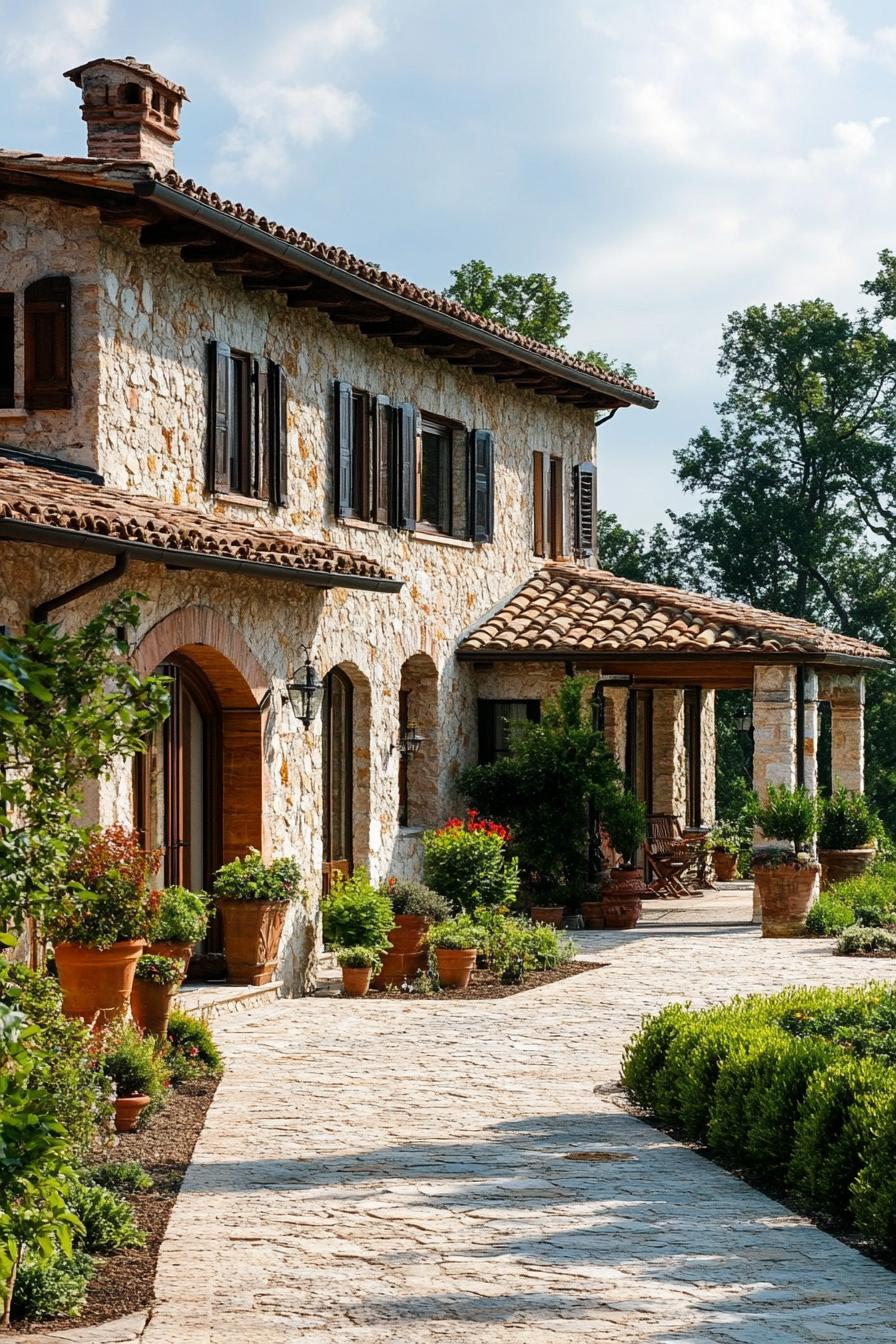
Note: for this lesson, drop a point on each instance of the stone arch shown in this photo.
(202, 628)
(418, 707)
(361, 761)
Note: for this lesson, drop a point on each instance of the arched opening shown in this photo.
(132, 94)
(418, 774)
(345, 758)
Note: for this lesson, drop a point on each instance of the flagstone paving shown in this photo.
(395, 1171)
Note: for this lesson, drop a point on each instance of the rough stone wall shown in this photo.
(669, 772)
(708, 756)
(774, 727)
(846, 692)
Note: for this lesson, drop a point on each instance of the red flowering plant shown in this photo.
(108, 898)
(466, 861)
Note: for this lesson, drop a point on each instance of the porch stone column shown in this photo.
(810, 730)
(615, 722)
(708, 756)
(847, 696)
(669, 773)
(774, 728)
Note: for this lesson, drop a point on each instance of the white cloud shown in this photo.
(48, 37)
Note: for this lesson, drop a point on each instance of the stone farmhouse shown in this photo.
(319, 472)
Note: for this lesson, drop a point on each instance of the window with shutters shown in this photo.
(554, 519)
(538, 516)
(247, 453)
(48, 356)
(498, 720)
(585, 483)
(437, 470)
(353, 414)
(7, 351)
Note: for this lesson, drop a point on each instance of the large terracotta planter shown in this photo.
(547, 914)
(355, 981)
(407, 956)
(181, 952)
(622, 898)
(96, 983)
(839, 864)
(151, 1006)
(455, 966)
(592, 914)
(785, 895)
(252, 932)
(724, 865)
(128, 1111)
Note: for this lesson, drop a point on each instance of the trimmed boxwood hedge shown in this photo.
(795, 1090)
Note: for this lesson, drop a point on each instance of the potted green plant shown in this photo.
(253, 897)
(623, 817)
(181, 920)
(454, 942)
(358, 964)
(847, 831)
(155, 980)
(130, 1061)
(100, 926)
(724, 842)
(414, 908)
(786, 874)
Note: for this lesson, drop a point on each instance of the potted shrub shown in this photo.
(253, 897)
(623, 818)
(466, 861)
(358, 965)
(130, 1061)
(785, 874)
(355, 913)
(155, 980)
(846, 836)
(181, 920)
(100, 927)
(547, 914)
(724, 842)
(414, 908)
(454, 942)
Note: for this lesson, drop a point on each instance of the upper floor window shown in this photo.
(498, 720)
(547, 503)
(7, 352)
(48, 356)
(247, 425)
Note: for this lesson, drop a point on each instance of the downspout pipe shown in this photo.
(40, 613)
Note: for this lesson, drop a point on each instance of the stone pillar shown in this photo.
(708, 756)
(669, 772)
(810, 730)
(847, 696)
(615, 722)
(774, 727)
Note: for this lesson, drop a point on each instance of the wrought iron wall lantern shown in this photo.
(304, 690)
(744, 723)
(409, 743)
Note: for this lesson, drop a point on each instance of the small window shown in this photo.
(497, 722)
(436, 476)
(7, 351)
(538, 503)
(48, 359)
(353, 451)
(156, 102)
(131, 94)
(555, 509)
(239, 441)
(247, 425)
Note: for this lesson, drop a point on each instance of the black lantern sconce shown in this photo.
(409, 743)
(744, 723)
(304, 691)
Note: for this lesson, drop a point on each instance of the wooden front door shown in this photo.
(337, 775)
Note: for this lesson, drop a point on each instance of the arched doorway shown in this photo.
(338, 782)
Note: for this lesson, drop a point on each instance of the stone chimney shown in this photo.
(131, 112)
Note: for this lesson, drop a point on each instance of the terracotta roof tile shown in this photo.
(567, 609)
(66, 503)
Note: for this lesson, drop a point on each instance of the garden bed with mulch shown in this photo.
(123, 1282)
(485, 984)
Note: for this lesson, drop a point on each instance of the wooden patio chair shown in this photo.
(669, 856)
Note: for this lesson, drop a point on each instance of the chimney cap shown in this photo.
(127, 63)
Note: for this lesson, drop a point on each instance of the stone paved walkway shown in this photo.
(393, 1171)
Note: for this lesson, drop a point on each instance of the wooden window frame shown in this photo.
(446, 430)
(360, 506)
(48, 376)
(487, 711)
(538, 533)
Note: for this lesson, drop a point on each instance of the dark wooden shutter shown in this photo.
(382, 435)
(482, 470)
(538, 502)
(278, 438)
(48, 354)
(406, 416)
(343, 466)
(220, 399)
(7, 351)
(259, 454)
(585, 484)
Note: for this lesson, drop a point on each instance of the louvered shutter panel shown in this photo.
(342, 466)
(261, 428)
(220, 398)
(407, 466)
(48, 356)
(380, 511)
(278, 394)
(482, 471)
(585, 484)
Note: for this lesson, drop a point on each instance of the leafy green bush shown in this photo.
(459, 933)
(191, 1052)
(57, 1287)
(789, 814)
(623, 816)
(467, 863)
(251, 879)
(513, 947)
(109, 898)
(858, 941)
(829, 915)
(182, 916)
(869, 899)
(355, 913)
(159, 970)
(107, 1219)
(414, 898)
(359, 958)
(129, 1060)
(847, 821)
(128, 1175)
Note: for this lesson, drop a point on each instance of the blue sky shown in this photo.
(669, 162)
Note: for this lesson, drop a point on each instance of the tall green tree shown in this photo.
(635, 554)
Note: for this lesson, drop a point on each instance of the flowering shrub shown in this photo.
(159, 970)
(130, 1061)
(467, 863)
(251, 879)
(109, 899)
(191, 1052)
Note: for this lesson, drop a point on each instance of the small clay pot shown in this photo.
(724, 865)
(128, 1111)
(252, 932)
(181, 952)
(151, 1006)
(96, 983)
(547, 914)
(839, 864)
(622, 897)
(455, 966)
(355, 981)
(785, 893)
(593, 914)
(407, 956)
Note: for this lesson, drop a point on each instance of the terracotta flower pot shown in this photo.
(592, 914)
(355, 981)
(547, 914)
(96, 983)
(785, 894)
(622, 898)
(181, 952)
(724, 864)
(407, 956)
(455, 966)
(839, 864)
(128, 1111)
(252, 932)
(151, 1006)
